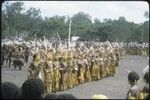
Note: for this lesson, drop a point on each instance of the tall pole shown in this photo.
(69, 34)
(142, 36)
(45, 44)
(59, 39)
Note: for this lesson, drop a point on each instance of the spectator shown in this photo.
(51, 96)
(33, 88)
(134, 91)
(133, 78)
(146, 78)
(145, 91)
(9, 90)
(66, 96)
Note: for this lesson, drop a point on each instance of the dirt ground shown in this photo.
(114, 87)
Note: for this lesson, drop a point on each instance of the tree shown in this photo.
(56, 24)
(15, 22)
(122, 19)
(146, 14)
(100, 31)
(33, 22)
(81, 22)
(33, 13)
(10, 14)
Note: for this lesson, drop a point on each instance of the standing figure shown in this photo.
(134, 91)
(87, 70)
(63, 74)
(114, 61)
(31, 70)
(75, 75)
(56, 76)
(2, 57)
(48, 75)
(10, 53)
(27, 53)
(81, 72)
(145, 91)
(97, 68)
(101, 68)
(35, 66)
(92, 69)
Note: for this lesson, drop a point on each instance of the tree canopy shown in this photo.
(28, 24)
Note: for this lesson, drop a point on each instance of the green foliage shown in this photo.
(29, 23)
(81, 22)
(146, 14)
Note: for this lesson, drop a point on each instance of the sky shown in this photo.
(133, 11)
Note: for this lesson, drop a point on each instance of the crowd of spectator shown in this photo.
(34, 89)
(135, 92)
(31, 89)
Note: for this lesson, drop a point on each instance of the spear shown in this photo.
(142, 36)
(59, 40)
(34, 41)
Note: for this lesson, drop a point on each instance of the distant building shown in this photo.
(74, 39)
